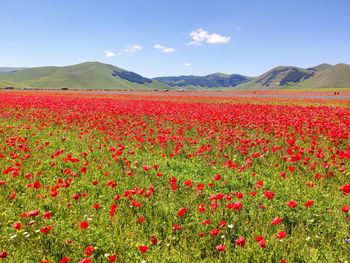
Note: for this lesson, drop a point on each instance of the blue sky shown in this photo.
(157, 38)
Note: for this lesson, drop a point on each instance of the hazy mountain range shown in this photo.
(95, 75)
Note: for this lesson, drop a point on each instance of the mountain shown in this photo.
(321, 76)
(279, 76)
(9, 69)
(282, 77)
(320, 67)
(95, 75)
(337, 76)
(216, 80)
(88, 75)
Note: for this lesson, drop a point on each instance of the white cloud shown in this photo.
(130, 49)
(164, 49)
(157, 46)
(168, 50)
(201, 36)
(109, 54)
(188, 64)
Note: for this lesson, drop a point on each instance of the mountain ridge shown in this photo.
(87, 75)
(210, 81)
(96, 75)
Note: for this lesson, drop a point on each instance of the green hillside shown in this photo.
(89, 75)
(320, 67)
(4, 83)
(95, 75)
(9, 69)
(216, 80)
(277, 77)
(286, 77)
(337, 76)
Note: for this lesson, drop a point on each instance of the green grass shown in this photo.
(336, 77)
(89, 75)
(33, 128)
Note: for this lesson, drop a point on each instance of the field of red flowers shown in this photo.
(133, 178)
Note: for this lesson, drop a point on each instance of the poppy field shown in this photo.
(134, 178)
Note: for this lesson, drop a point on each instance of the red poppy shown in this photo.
(220, 247)
(281, 234)
(33, 213)
(37, 185)
(206, 222)
(269, 194)
(252, 193)
(181, 212)
(276, 220)
(261, 241)
(309, 203)
(345, 208)
(3, 254)
(145, 168)
(84, 225)
(259, 184)
(292, 204)
(47, 215)
(143, 249)
(345, 188)
(176, 227)
(53, 193)
(214, 232)
(46, 229)
(201, 208)
(222, 223)
(154, 240)
(64, 260)
(217, 177)
(112, 258)
(76, 196)
(89, 250)
(200, 188)
(95, 182)
(17, 226)
(83, 170)
(283, 175)
(240, 242)
(112, 210)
